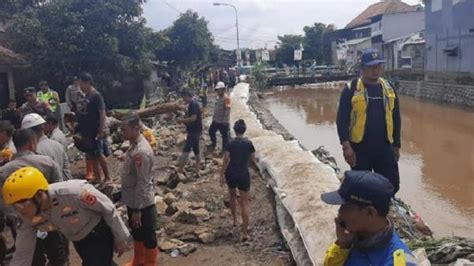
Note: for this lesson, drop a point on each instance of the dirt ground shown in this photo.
(205, 195)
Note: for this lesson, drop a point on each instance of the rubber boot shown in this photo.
(89, 169)
(151, 256)
(138, 254)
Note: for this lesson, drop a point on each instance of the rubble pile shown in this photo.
(456, 250)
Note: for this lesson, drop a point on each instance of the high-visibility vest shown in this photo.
(359, 109)
(50, 97)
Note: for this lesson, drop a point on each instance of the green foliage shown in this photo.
(190, 41)
(287, 45)
(106, 38)
(316, 42)
(259, 78)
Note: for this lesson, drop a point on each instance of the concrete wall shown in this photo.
(449, 24)
(401, 24)
(459, 95)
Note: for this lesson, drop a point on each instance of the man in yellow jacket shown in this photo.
(48, 96)
(369, 123)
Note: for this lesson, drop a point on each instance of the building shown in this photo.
(406, 52)
(402, 40)
(370, 24)
(10, 63)
(449, 37)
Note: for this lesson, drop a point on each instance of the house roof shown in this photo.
(380, 8)
(10, 58)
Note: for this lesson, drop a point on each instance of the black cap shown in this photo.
(29, 90)
(363, 187)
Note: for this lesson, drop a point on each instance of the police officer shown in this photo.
(47, 146)
(368, 121)
(365, 235)
(138, 193)
(54, 245)
(78, 210)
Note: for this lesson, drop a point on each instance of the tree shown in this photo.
(259, 77)
(285, 50)
(316, 42)
(106, 38)
(11, 7)
(190, 41)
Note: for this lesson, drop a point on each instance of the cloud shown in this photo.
(260, 21)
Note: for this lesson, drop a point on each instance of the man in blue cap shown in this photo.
(368, 121)
(365, 236)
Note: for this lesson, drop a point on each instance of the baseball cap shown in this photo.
(371, 57)
(363, 187)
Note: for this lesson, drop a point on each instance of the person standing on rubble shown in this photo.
(221, 117)
(138, 192)
(193, 122)
(75, 208)
(365, 234)
(235, 173)
(74, 95)
(91, 126)
(369, 123)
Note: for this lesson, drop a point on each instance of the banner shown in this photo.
(298, 55)
(265, 55)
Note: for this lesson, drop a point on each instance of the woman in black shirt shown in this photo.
(236, 174)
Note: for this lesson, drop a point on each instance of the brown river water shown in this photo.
(437, 155)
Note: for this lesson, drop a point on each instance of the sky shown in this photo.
(260, 21)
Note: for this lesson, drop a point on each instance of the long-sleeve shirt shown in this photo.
(138, 190)
(45, 164)
(76, 209)
(57, 152)
(375, 129)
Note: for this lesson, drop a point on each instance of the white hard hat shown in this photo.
(32, 120)
(220, 85)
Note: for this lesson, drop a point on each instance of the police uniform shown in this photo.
(57, 152)
(138, 191)
(84, 215)
(58, 135)
(55, 244)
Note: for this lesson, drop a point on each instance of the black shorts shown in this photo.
(192, 143)
(242, 182)
(146, 233)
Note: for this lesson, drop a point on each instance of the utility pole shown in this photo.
(238, 54)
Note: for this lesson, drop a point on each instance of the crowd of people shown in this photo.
(38, 189)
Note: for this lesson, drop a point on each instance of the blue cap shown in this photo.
(371, 57)
(362, 187)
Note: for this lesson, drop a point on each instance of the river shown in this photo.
(437, 155)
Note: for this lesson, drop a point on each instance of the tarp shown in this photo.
(299, 180)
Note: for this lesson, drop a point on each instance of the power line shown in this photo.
(172, 7)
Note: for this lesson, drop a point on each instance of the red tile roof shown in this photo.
(383, 7)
